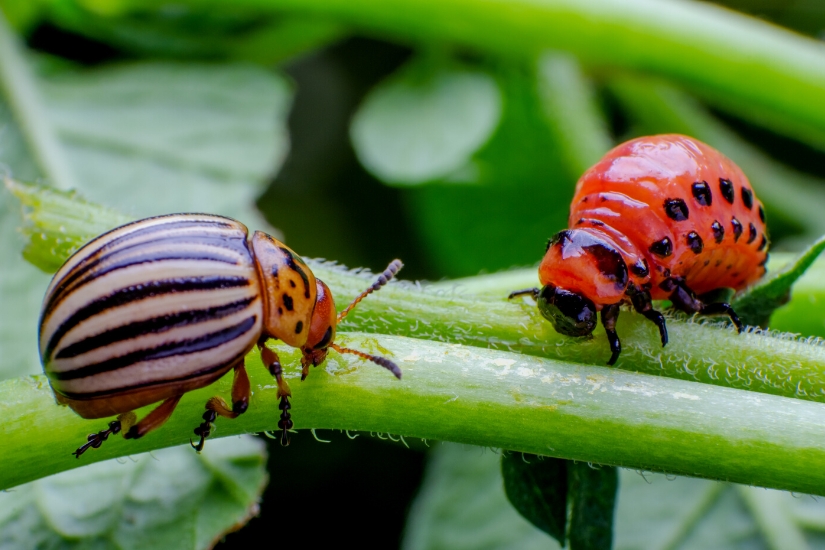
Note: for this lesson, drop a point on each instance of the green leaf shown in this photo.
(194, 138)
(756, 306)
(592, 505)
(171, 499)
(537, 488)
(425, 122)
(462, 505)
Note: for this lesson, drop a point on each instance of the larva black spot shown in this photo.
(701, 192)
(761, 213)
(747, 198)
(718, 231)
(707, 263)
(763, 243)
(640, 268)
(676, 209)
(609, 263)
(662, 247)
(694, 241)
(287, 299)
(751, 233)
(737, 229)
(726, 187)
(299, 326)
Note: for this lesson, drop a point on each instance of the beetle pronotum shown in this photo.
(166, 305)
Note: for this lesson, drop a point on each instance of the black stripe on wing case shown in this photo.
(183, 347)
(159, 256)
(155, 325)
(85, 264)
(136, 293)
(226, 365)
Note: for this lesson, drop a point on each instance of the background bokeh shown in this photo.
(360, 146)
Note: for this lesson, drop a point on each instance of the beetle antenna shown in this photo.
(382, 361)
(382, 279)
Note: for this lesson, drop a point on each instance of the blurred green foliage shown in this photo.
(452, 138)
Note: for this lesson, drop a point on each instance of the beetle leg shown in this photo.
(610, 314)
(643, 304)
(123, 422)
(534, 292)
(273, 363)
(684, 299)
(216, 406)
(154, 419)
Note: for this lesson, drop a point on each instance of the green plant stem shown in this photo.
(470, 395)
(726, 55)
(19, 89)
(776, 364)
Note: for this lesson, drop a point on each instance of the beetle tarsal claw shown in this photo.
(96, 440)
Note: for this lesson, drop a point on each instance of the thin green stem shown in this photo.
(729, 57)
(470, 395)
(18, 86)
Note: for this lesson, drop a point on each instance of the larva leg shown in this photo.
(610, 314)
(154, 419)
(273, 364)
(123, 422)
(216, 406)
(534, 292)
(684, 299)
(643, 304)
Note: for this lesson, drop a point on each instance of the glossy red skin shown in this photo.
(626, 192)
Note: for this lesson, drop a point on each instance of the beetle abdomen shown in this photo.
(161, 302)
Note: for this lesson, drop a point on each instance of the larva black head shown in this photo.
(571, 314)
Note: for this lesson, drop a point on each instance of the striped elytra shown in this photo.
(162, 306)
(680, 215)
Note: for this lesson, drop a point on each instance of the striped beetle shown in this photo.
(166, 305)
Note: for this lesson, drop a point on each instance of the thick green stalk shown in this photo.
(698, 349)
(471, 395)
(725, 55)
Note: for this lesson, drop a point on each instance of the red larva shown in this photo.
(659, 217)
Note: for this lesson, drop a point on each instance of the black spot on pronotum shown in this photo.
(274, 271)
(751, 233)
(292, 284)
(280, 310)
(694, 241)
(763, 243)
(676, 209)
(701, 192)
(287, 299)
(747, 198)
(726, 187)
(761, 213)
(640, 268)
(292, 261)
(662, 247)
(718, 231)
(299, 326)
(737, 229)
